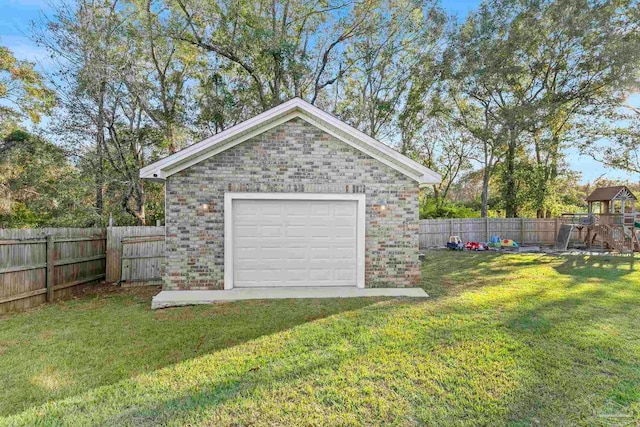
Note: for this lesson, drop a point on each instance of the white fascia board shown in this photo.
(233, 136)
(374, 143)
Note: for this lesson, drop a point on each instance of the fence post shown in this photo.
(50, 267)
(556, 229)
(521, 231)
(108, 244)
(486, 227)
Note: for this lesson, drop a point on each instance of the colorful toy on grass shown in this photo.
(455, 244)
(508, 243)
(476, 246)
(494, 242)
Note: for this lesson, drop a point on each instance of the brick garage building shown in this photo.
(291, 198)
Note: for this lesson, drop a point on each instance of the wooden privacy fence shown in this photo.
(525, 231)
(114, 246)
(39, 265)
(142, 259)
(36, 268)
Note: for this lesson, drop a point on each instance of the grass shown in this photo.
(513, 340)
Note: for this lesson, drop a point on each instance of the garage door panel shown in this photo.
(296, 230)
(320, 232)
(245, 231)
(320, 274)
(270, 209)
(320, 209)
(344, 274)
(345, 210)
(296, 254)
(344, 221)
(248, 253)
(299, 221)
(344, 253)
(316, 253)
(270, 230)
(297, 209)
(257, 276)
(344, 232)
(294, 243)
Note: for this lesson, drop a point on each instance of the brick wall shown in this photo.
(293, 157)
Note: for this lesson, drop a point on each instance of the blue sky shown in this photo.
(17, 14)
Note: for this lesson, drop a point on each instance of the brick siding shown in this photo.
(292, 157)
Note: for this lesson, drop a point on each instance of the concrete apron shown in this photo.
(181, 298)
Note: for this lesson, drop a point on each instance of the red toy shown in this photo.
(476, 246)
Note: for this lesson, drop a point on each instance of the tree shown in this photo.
(390, 67)
(23, 93)
(533, 66)
(38, 186)
(161, 69)
(125, 89)
(83, 38)
(613, 137)
(131, 140)
(275, 49)
(444, 148)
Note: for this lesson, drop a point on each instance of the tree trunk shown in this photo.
(171, 137)
(99, 177)
(510, 201)
(486, 174)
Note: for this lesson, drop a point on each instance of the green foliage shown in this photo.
(430, 209)
(23, 94)
(505, 92)
(38, 186)
(525, 70)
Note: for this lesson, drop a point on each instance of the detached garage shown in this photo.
(293, 198)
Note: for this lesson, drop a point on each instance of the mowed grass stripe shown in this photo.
(504, 340)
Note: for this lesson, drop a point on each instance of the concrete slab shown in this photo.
(181, 298)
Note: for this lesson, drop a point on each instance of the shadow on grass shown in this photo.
(212, 395)
(551, 339)
(209, 381)
(556, 341)
(93, 342)
(584, 346)
(609, 267)
(448, 273)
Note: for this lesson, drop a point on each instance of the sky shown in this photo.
(17, 14)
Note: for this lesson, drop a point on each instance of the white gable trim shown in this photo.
(624, 194)
(296, 108)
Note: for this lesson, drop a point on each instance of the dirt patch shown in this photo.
(4, 345)
(108, 289)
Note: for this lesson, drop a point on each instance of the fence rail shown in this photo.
(40, 265)
(34, 269)
(114, 246)
(525, 231)
(142, 259)
(37, 265)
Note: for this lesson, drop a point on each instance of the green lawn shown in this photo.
(514, 340)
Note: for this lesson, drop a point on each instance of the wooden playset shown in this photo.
(611, 221)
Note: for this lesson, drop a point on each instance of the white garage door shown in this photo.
(294, 243)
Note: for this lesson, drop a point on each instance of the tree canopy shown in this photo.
(493, 102)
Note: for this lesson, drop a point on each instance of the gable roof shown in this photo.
(282, 113)
(610, 193)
